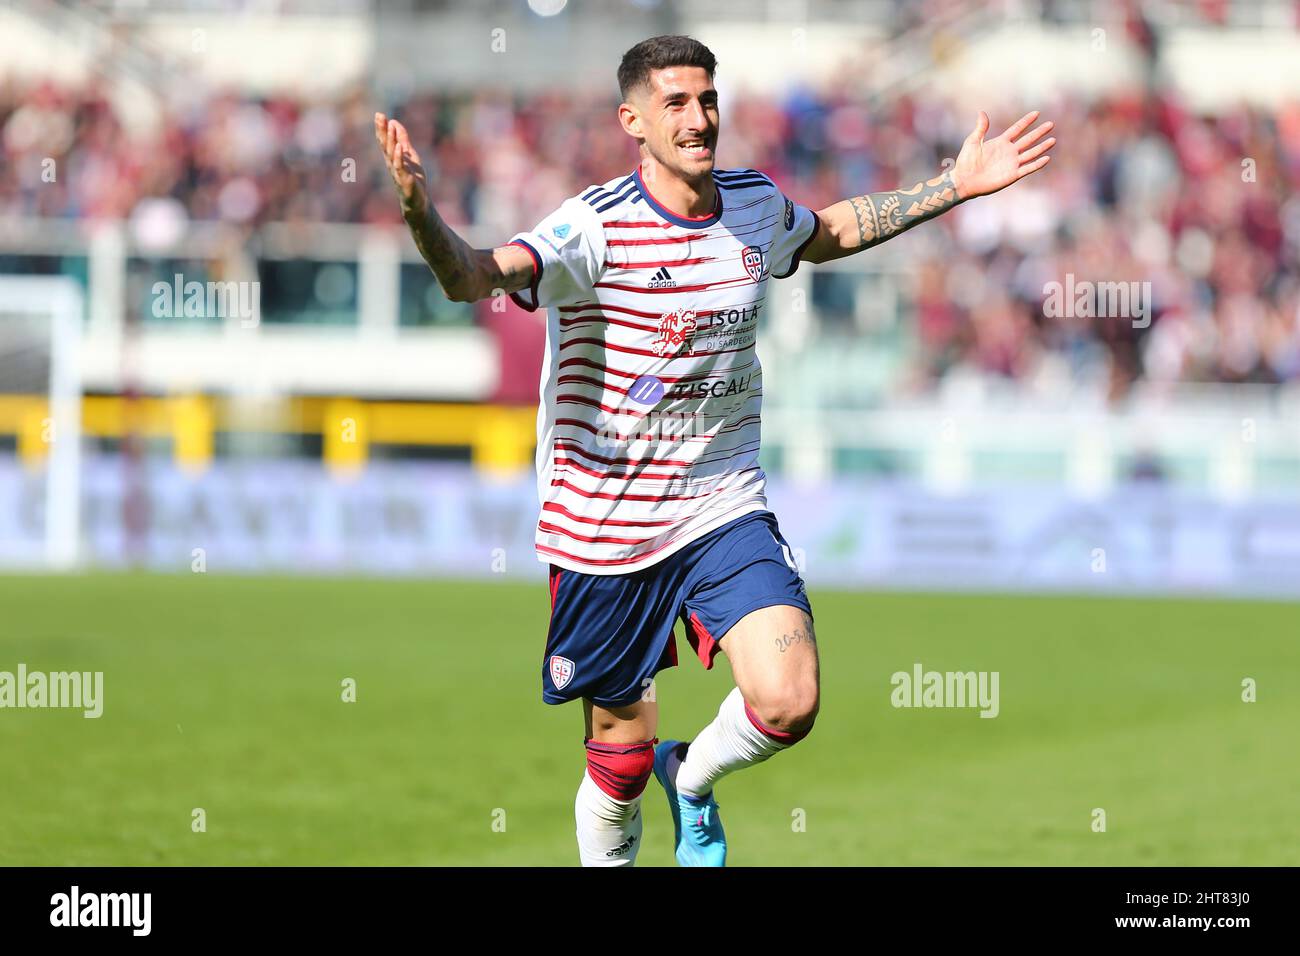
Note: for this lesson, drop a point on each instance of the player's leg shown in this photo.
(621, 725)
(620, 755)
(609, 635)
(746, 598)
(773, 656)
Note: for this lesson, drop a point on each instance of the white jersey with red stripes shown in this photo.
(648, 431)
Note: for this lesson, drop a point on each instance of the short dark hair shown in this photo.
(660, 53)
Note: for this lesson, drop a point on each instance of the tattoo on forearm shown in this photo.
(882, 216)
(799, 636)
(449, 256)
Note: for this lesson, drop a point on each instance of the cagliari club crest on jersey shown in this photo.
(675, 330)
(755, 262)
(561, 671)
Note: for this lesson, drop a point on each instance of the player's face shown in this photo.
(680, 120)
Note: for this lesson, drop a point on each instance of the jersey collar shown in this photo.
(686, 222)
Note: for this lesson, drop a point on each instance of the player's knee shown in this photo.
(621, 770)
(788, 713)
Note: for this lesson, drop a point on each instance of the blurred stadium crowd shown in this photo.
(1141, 189)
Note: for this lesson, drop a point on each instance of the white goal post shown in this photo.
(41, 322)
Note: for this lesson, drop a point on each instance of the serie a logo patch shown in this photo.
(561, 671)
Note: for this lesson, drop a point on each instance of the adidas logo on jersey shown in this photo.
(661, 280)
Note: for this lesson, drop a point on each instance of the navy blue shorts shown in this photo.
(611, 633)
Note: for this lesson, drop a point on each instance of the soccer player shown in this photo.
(652, 498)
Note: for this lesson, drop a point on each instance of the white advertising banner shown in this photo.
(440, 519)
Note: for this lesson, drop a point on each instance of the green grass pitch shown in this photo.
(225, 694)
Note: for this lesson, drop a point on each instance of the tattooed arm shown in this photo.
(465, 273)
(982, 167)
(864, 221)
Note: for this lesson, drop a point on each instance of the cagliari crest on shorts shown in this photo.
(561, 671)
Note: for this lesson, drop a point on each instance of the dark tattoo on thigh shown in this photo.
(800, 635)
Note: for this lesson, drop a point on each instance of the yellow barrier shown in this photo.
(501, 438)
(346, 434)
(192, 430)
(35, 432)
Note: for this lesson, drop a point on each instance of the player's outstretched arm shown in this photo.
(982, 167)
(465, 273)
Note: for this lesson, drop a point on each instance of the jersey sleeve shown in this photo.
(796, 226)
(568, 250)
